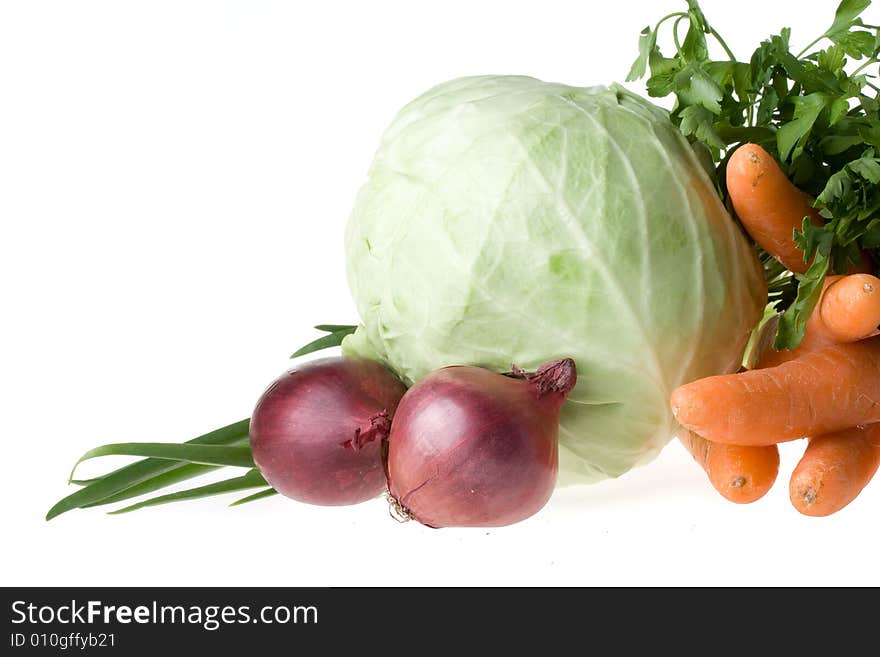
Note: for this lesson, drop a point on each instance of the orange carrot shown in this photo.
(831, 389)
(764, 355)
(834, 470)
(849, 308)
(816, 336)
(742, 474)
(769, 206)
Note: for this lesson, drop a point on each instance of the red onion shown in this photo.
(474, 448)
(317, 432)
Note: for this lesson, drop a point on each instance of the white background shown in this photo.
(174, 182)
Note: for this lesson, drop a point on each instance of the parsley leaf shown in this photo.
(647, 39)
(847, 12)
(856, 43)
(817, 111)
(793, 322)
(792, 136)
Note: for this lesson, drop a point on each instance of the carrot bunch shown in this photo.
(827, 389)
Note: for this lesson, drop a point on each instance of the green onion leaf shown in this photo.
(204, 454)
(253, 479)
(333, 339)
(231, 434)
(183, 472)
(269, 492)
(335, 328)
(141, 471)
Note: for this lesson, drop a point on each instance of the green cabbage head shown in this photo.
(507, 221)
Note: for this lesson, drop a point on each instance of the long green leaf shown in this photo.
(253, 479)
(141, 471)
(230, 434)
(203, 454)
(182, 473)
(269, 492)
(335, 328)
(325, 342)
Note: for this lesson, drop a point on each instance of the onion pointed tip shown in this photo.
(559, 376)
(379, 429)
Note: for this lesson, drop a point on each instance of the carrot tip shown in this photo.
(809, 495)
(738, 482)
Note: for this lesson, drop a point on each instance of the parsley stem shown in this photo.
(810, 45)
(872, 60)
(675, 36)
(722, 43)
(666, 18)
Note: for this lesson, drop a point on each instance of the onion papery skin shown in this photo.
(317, 432)
(473, 448)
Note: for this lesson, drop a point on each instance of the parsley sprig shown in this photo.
(816, 111)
